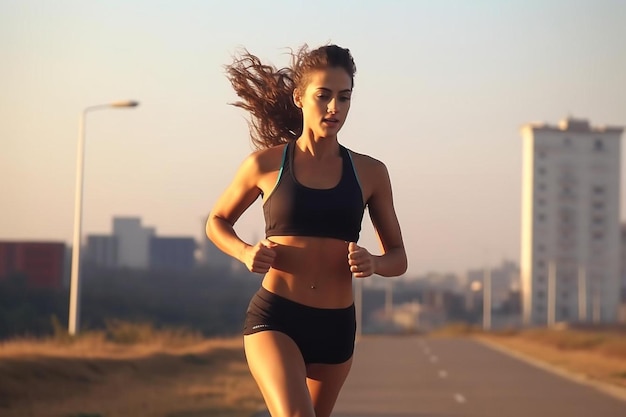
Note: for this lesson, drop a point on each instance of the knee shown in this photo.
(291, 410)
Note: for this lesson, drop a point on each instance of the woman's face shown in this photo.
(325, 101)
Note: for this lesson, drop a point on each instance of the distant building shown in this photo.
(172, 253)
(134, 246)
(504, 281)
(43, 263)
(133, 242)
(102, 251)
(570, 246)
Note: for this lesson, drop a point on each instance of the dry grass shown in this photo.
(169, 374)
(603, 342)
(96, 345)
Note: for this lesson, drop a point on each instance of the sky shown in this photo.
(441, 92)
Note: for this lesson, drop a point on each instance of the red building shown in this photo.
(41, 262)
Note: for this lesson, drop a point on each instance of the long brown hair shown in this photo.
(267, 92)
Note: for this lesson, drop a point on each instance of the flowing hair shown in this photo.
(267, 92)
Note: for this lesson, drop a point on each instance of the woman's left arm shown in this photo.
(393, 261)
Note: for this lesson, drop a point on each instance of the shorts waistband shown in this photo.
(269, 296)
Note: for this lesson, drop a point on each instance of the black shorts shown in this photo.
(323, 335)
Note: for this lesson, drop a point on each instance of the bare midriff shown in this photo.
(312, 271)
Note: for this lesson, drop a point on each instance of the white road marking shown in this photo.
(443, 374)
(459, 398)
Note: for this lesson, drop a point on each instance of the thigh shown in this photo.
(279, 370)
(325, 382)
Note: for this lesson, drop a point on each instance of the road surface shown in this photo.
(403, 376)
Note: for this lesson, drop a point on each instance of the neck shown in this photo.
(321, 149)
(318, 146)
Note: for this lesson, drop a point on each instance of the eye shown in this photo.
(322, 96)
(345, 98)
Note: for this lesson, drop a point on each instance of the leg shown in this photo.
(325, 382)
(278, 369)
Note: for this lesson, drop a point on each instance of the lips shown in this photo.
(331, 120)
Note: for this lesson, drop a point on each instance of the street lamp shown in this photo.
(78, 215)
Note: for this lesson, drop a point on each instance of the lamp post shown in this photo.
(487, 299)
(78, 215)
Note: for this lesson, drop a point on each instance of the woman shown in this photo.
(300, 326)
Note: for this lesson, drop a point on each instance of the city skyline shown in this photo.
(441, 93)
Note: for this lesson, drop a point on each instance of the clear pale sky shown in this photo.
(441, 91)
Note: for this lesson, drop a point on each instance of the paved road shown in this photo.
(421, 377)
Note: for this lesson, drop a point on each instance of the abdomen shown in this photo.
(312, 271)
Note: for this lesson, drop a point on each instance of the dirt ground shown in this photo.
(206, 379)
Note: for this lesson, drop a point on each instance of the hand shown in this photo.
(260, 257)
(360, 260)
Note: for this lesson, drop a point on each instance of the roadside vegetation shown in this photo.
(126, 369)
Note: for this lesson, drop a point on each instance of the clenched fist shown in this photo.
(260, 257)
(360, 260)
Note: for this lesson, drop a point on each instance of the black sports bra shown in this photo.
(293, 209)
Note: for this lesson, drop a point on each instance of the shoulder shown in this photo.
(373, 177)
(264, 160)
(368, 165)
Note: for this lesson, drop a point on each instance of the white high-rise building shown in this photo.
(133, 242)
(570, 247)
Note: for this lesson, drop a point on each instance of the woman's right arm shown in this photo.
(235, 200)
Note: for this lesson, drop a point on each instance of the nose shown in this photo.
(332, 106)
